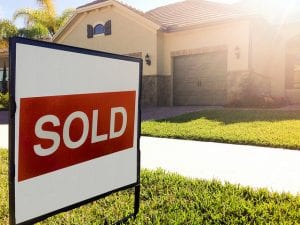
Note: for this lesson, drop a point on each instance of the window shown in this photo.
(292, 80)
(99, 29)
(1, 74)
(293, 71)
(1, 79)
(296, 77)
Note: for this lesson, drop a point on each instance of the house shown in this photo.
(195, 52)
(3, 63)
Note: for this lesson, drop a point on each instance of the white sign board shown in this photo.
(74, 133)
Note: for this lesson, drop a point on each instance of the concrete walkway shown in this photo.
(3, 136)
(3, 129)
(275, 169)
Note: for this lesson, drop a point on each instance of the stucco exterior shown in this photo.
(208, 37)
(256, 50)
(127, 37)
(283, 37)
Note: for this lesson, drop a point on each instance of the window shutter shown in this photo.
(107, 26)
(90, 31)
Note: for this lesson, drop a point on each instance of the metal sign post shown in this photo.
(74, 128)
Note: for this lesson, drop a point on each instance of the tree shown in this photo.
(7, 29)
(44, 18)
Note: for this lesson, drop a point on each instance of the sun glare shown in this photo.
(276, 11)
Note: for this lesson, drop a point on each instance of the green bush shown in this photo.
(4, 100)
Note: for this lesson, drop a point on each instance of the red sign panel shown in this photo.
(60, 131)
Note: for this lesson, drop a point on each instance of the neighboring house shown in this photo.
(3, 62)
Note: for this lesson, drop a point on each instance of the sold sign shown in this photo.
(74, 128)
(63, 131)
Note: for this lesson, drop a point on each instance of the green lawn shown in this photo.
(274, 128)
(172, 199)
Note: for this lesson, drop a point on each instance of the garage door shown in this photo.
(200, 79)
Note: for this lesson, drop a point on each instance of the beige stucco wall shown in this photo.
(160, 52)
(4, 60)
(281, 36)
(230, 35)
(260, 45)
(129, 35)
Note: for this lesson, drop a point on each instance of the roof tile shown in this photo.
(186, 13)
(193, 12)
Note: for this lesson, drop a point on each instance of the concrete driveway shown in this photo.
(155, 113)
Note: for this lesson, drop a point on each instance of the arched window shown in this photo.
(99, 29)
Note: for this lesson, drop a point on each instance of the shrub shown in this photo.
(259, 101)
(4, 100)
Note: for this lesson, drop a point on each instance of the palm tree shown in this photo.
(44, 18)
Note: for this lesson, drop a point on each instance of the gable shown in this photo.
(127, 36)
(101, 5)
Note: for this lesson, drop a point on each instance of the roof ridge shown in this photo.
(130, 7)
(118, 1)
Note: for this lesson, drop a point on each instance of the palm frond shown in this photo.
(38, 31)
(63, 18)
(7, 29)
(26, 14)
(47, 5)
(44, 17)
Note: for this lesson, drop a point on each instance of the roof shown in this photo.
(193, 12)
(186, 13)
(101, 1)
(92, 3)
(173, 17)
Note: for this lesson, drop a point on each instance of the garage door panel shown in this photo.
(200, 79)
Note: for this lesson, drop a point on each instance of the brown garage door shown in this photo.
(200, 79)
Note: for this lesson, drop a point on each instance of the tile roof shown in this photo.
(91, 3)
(120, 2)
(193, 12)
(186, 13)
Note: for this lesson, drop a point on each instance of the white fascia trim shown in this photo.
(95, 6)
(57, 34)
